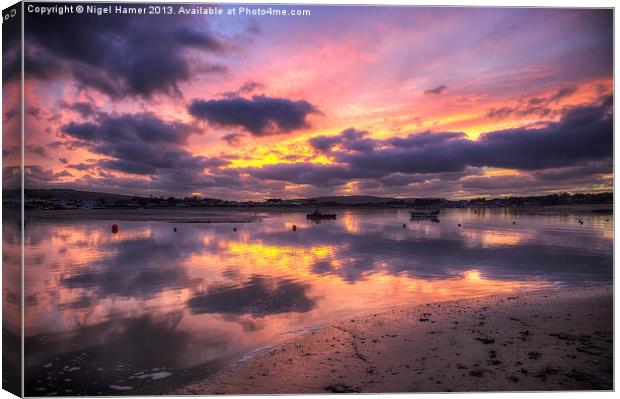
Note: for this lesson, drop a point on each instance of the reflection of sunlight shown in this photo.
(288, 259)
(321, 251)
(351, 223)
(490, 238)
(270, 251)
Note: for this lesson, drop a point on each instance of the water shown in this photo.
(149, 309)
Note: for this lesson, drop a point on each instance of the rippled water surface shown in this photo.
(148, 308)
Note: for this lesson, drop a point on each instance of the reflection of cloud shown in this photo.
(81, 303)
(138, 267)
(260, 296)
(146, 341)
(114, 293)
(497, 254)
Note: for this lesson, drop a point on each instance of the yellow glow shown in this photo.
(472, 275)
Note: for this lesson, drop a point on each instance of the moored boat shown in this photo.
(316, 215)
(424, 213)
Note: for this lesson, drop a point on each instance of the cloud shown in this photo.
(124, 56)
(11, 48)
(260, 116)
(563, 92)
(246, 88)
(311, 173)
(351, 135)
(538, 106)
(582, 136)
(82, 108)
(35, 176)
(436, 90)
(233, 139)
(146, 146)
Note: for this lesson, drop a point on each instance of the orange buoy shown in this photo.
(115, 228)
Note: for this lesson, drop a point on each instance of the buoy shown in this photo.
(175, 229)
(234, 229)
(294, 227)
(115, 228)
(404, 226)
(459, 225)
(514, 222)
(581, 222)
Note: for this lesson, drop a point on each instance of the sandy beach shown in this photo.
(558, 339)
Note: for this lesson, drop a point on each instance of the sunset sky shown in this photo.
(399, 101)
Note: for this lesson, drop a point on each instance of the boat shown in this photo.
(316, 215)
(424, 213)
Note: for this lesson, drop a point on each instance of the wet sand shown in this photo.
(558, 339)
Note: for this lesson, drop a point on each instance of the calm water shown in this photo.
(148, 309)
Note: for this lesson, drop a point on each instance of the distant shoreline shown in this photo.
(253, 214)
(556, 339)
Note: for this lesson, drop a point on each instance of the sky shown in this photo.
(389, 101)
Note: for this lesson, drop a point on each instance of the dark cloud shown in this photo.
(128, 55)
(83, 166)
(10, 114)
(152, 154)
(233, 138)
(436, 90)
(586, 170)
(84, 109)
(143, 145)
(259, 116)
(137, 143)
(37, 150)
(311, 173)
(11, 45)
(563, 92)
(246, 88)
(351, 136)
(260, 296)
(441, 160)
(537, 106)
(582, 134)
(35, 176)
